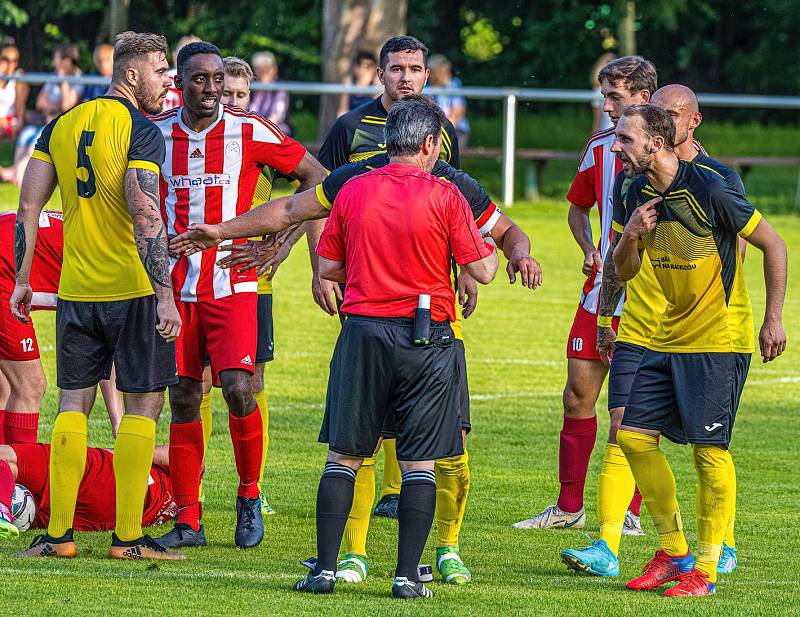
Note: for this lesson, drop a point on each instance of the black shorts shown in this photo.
(623, 368)
(380, 381)
(688, 397)
(265, 343)
(91, 336)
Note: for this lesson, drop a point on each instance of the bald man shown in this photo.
(641, 315)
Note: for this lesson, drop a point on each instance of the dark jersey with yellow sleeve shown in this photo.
(694, 254)
(358, 135)
(485, 212)
(92, 146)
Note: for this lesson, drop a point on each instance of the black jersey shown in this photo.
(358, 135)
(486, 213)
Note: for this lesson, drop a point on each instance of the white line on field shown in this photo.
(766, 382)
(524, 361)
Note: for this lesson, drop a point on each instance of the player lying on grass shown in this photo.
(95, 509)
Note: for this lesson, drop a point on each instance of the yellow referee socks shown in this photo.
(261, 401)
(392, 479)
(207, 418)
(452, 489)
(615, 486)
(715, 493)
(133, 457)
(67, 465)
(657, 485)
(355, 532)
(730, 540)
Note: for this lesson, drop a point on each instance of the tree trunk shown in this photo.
(118, 11)
(347, 27)
(627, 30)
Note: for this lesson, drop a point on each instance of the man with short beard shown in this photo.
(105, 155)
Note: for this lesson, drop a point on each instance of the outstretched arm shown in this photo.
(37, 187)
(516, 246)
(141, 193)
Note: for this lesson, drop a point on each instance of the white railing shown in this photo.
(508, 95)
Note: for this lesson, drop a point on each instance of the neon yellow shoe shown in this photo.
(451, 567)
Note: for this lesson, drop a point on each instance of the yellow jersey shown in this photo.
(92, 146)
(263, 193)
(694, 254)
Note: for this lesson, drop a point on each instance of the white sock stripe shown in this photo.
(335, 469)
(428, 476)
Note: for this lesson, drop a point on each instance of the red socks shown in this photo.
(248, 443)
(185, 463)
(577, 441)
(6, 489)
(636, 503)
(21, 427)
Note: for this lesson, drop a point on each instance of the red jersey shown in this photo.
(209, 177)
(174, 96)
(46, 267)
(95, 508)
(594, 184)
(396, 228)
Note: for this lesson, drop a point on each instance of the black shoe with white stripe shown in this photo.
(321, 583)
(409, 590)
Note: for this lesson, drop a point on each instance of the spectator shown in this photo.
(104, 63)
(13, 94)
(271, 104)
(364, 73)
(174, 97)
(454, 107)
(600, 119)
(56, 98)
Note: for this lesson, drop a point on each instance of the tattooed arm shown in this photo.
(141, 193)
(37, 187)
(611, 290)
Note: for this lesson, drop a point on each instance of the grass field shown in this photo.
(515, 347)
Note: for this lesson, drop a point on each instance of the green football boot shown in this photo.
(451, 568)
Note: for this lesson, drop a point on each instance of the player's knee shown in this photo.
(577, 404)
(636, 443)
(709, 456)
(238, 393)
(185, 404)
(256, 382)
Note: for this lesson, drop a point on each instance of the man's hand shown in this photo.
(593, 262)
(606, 343)
(169, 322)
(21, 301)
(467, 293)
(198, 237)
(276, 261)
(530, 272)
(250, 254)
(644, 218)
(771, 339)
(324, 292)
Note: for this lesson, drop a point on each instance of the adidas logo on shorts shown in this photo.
(247, 360)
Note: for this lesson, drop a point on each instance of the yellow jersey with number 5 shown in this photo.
(92, 146)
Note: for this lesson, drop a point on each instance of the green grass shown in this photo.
(515, 346)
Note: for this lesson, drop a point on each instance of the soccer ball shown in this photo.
(23, 507)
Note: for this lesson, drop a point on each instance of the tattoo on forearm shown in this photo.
(19, 245)
(611, 288)
(148, 184)
(156, 259)
(148, 228)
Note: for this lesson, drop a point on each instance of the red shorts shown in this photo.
(225, 330)
(17, 340)
(95, 509)
(582, 341)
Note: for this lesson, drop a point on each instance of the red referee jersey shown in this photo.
(47, 257)
(396, 228)
(210, 176)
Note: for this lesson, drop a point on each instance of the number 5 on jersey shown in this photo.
(86, 188)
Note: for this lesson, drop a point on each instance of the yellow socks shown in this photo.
(657, 485)
(452, 489)
(355, 532)
(392, 479)
(133, 457)
(615, 487)
(715, 495)
(261, 401)
(67, 465)
(207, 417)
(730, 540)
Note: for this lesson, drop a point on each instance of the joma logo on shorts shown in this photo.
(713, 427)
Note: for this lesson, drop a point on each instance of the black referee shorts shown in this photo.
(623, 368)
(90, 336)
(688, 397)
(265, 343)
(379, 381)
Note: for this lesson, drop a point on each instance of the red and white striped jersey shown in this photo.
(47, 258)
(593, 184)
(209, 177)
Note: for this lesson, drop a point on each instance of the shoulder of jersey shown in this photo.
(166, 116)
(252, 117)
(600, 138)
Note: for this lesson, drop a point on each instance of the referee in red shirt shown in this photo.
(389, 238)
